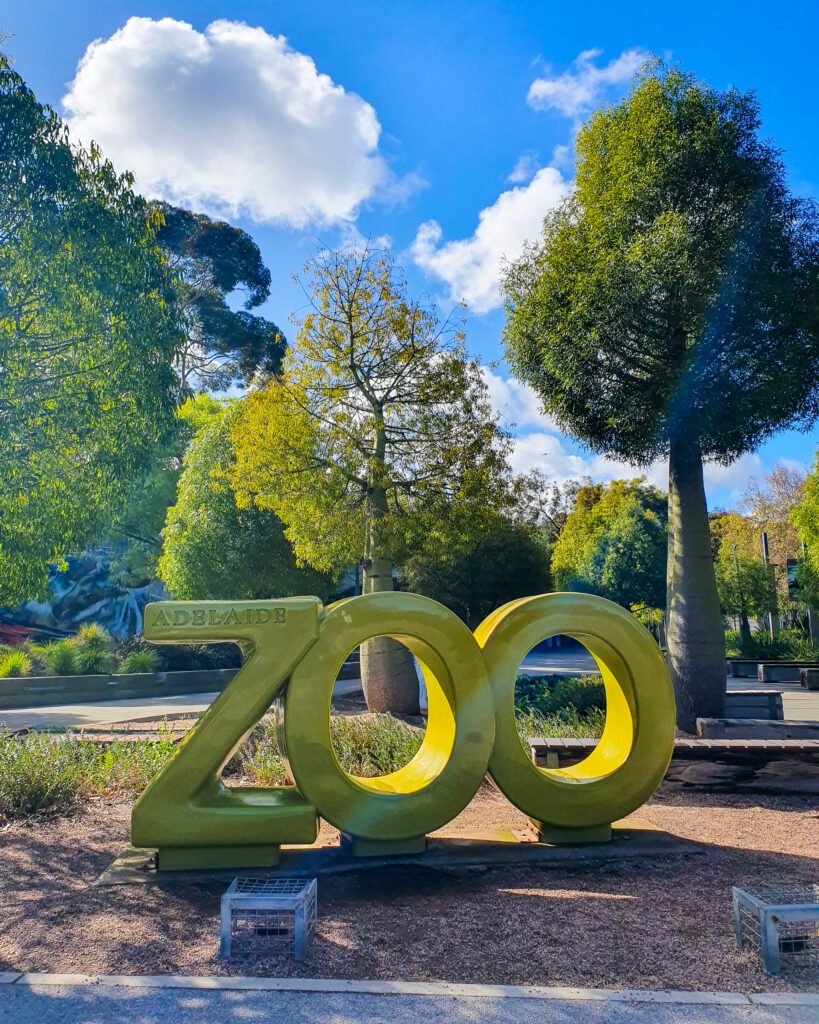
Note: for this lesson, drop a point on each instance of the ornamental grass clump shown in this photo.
(60, 658)
(142, 659)
(15, 665)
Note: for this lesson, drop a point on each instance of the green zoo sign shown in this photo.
(293, 651)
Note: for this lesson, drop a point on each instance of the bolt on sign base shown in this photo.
(383, 847)
(187, 858)
(555, 835)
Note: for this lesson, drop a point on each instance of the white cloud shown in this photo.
(470, 267)
(231, 120)
(516, 403)
(578, 90)
(734, 478)
(525, 168)
(547, 452)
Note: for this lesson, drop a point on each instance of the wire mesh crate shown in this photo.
(268, 915)
(781, 921)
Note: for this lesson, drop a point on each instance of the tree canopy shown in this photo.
(745, 582)
(377, 437)
(671, 308)
(613, 544)
(508, 562)
(213, 260)
(88, 336)
(675, 292)
(213, 550)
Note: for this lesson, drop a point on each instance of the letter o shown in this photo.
(448, 768)
(633, 753)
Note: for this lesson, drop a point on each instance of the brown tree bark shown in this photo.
(388, 674)
(695, 638)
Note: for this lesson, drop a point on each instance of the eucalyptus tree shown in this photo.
(88, 336)
(670, 310)
(214, 262)
(376, 439)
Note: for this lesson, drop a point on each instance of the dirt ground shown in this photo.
(654, 924)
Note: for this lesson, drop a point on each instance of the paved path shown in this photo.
(141, 1002)
(798, 704)
(108, 712)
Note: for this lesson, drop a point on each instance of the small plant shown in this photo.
(93, 637)
(142, 659)
(553, 694)
(370, 745)
(565, 725)
(41, 773)
(92, 663)
(15, 664)
(60, 658)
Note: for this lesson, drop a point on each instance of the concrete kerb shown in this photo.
(409, 988)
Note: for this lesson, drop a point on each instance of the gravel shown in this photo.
(655, 924)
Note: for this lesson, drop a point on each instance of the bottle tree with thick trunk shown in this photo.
(669, 310)
(377, 439)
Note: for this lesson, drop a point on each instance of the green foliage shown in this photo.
(60, 658)
(733, 648)
(676, 285)
(42, 774)
(373, 744)
(366, 745)
(378, 439)
(15, 664)
(212, 548)
(568, 724)
(613, 543)
(213, 260)
(787, 645)
(506, 562)
(92, 637)
(91, 662)
(88, 334)
(744, 582)
(555, 695)
(805, 517)
(144, 660)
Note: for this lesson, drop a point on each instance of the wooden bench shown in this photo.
(809, 678)
(754, 704)
(556, 753)
(768, 671)
(759, 728)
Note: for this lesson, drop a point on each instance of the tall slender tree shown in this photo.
(377, 438)
(671, 310)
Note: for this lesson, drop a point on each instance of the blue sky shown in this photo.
(445, 128)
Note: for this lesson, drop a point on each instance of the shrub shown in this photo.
(60, 658)
(567, 724)
(15, 664)
(40, 773)
(90, 663)
(549, 695)
(365, 745)
(144, 659)
(93, 637)
(732, 645)
(371, 745)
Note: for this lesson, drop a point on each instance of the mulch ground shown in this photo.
(656, 924)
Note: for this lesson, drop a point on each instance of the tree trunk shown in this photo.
(696, 643)
(387, 668)
(744, 633)
(388, 674)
